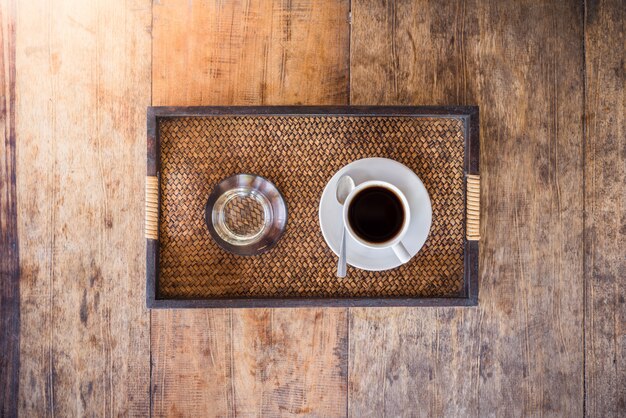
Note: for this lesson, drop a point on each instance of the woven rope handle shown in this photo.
(473, 208)
(152, 207)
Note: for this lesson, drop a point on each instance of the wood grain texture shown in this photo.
(249, 362)
(265, 362)
(9, 256)
(413, 52)
(82, 90)
(412, 362)
(605, 208)
(520, 352)
(254, 52)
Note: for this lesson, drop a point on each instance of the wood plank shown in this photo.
(413, 52)
(250, 362)
(520, 352)
(82, 89)
(605, 208)
(255, 52)
(413, 362)
(9, 257)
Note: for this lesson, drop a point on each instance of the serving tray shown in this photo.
(191, 149)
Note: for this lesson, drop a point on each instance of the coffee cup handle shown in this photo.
(401, 252)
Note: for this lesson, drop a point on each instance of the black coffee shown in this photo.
(376, 214)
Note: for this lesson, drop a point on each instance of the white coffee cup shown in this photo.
(395, 243)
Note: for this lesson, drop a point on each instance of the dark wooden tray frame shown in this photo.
(469, 115)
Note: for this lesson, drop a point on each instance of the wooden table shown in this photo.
(548, 336)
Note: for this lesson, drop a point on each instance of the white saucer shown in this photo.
(330, 212)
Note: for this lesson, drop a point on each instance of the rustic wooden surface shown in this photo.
(9, 258)
(263, 362)
(250, 53)
(605, 203)
(83, 84)
(548, 335)
(520, 352)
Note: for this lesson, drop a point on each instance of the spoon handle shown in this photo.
(341, 266)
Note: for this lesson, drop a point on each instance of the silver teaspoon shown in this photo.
(344, 187)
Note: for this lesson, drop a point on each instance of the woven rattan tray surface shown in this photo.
(299, 149)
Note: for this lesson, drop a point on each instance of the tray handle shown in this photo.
(152, 207)
(472, 223)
